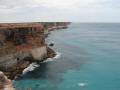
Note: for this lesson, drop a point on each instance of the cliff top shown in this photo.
(27, 24)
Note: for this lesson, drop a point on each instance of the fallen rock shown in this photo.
(51, 44)
(50, 53)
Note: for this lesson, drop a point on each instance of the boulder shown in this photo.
(51, 44)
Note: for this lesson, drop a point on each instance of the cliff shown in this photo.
(24, 43)
(5, 83)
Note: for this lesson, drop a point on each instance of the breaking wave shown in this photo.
(31, 67)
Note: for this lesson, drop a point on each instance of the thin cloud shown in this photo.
(80, 10)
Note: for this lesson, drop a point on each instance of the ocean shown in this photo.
(88, 58)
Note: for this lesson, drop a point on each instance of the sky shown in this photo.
(59, 10)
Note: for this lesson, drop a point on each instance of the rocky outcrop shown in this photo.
(24, 43)
(5, 83)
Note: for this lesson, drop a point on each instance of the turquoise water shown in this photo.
(90, 60)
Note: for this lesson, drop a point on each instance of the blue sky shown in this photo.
(59, 10)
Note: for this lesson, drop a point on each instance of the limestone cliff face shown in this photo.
(19, 43)
(24, 43)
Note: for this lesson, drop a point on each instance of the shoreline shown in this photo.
(25, 45)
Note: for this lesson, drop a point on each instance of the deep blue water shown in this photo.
(90, 60)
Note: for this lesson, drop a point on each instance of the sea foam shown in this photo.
(82, 84)
(31, 67)
(58, 55)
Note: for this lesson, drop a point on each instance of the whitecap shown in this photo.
(82, 84)
(31, 67)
